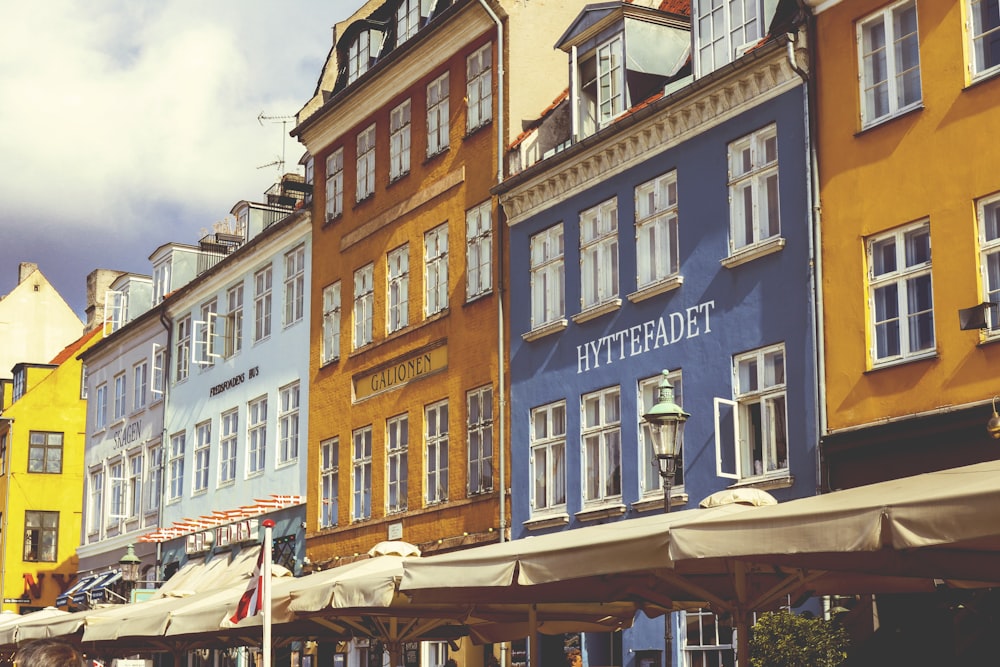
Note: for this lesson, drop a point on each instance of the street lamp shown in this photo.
(130, 564)
(666, 424)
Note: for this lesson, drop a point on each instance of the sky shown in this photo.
(126, 124)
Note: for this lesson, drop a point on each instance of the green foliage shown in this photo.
(782, 639)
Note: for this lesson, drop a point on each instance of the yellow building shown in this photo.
(910, 206)
(41, 478)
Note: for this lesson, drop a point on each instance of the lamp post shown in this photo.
(666, 424)
(129, 565)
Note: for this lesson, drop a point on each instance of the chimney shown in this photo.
(25, 269)
(98, 282)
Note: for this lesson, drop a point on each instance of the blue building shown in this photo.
(671, 230)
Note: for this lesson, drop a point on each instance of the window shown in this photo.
(101, 407)
(256, 435)
(295, 271)
(161, 281)
(202, 452)
(140, 376)
(724, 31)
(175, 467)
(984, 35)
(900, 293)
(478, 251)
(41, 536)
(398, 272)
(601, 439)
(329, 474)
(599, 254)
(399, 141)
(95, 508)
(436, 270)
(116, 512)
(227, 446)
(408, 18)
(134, 485)
(479, 406)
(288, 423)
(45, 452)
(753, 189)
(650, 482)
(364, 302)
(759, 424)
(889, 53)
(479, 88)
(262, 304)
(437, 115)
(548, 277)
(361, 463)
(3, 452)
(234, 320)
(159, 364)
(548, 457)
(20, 380)
(335, 184)
(989, 261)
(119, 405)
(154, 455)
(610, 81)
(205, 330)
(366, 163)
(182, 349)
(704, 643)
(115, 310)
(331, 323)
(359, 55)
(657, 255)
(436, 443)
(397, 439)
(83, 381)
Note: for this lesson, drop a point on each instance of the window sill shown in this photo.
(329, 362)
(546, 329)
(871, 125)
(478, 297)
(285, 464)
(330, 219)
(750, 253)
(441, 151)
(983, 77)
(650, 503)
(657, 288)
(774, 481)
(542, 522)
(882, 365)
(601, 512)
(469, 131)
(593, 312)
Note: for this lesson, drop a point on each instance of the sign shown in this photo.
(16, 600)
(234, 381)
(395, 531)
(401, 372)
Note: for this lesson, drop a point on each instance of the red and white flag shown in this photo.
(250, 603)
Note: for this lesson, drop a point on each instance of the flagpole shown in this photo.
(265, 575)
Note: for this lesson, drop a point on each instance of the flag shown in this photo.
(250, 601)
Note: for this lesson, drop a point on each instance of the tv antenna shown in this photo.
(284, 120)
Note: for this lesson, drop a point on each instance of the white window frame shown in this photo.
(479, 250)
(115, 310)
(161, 281)
(479, 439)
(601, 445)
(438, 128)
(117, 502)
(982, 38)
(885, 57)
(256, 436)
(288, 423)
(399, 141)
(436, 270)
(202, 457)
(120, 405)
(140, 385)
(361, 473)
(365, 164)
(228, 444)
(611, 90)
(331, 323)
(548, 277)
(548, 458)
(364, 303)
(650, 481)
(329, 473)
(988, 218)
(234, 321)
(408, 19)
(206, 329)
(599, 254)
(154, 466)
(754, 191)
(436, 452)
(397, 445)
(175, 467)
(335, 184)
(656, 230)
(725, 32)
(359, 56)
(479, 88)
(182, 349)
(701, 644)
(262, 284)
(295, 284)
(398, 288)
(134, 490)
(101, 407)
(159, 356)
(95, 506)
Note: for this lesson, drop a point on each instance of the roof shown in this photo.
(70, 350)
(682, 7)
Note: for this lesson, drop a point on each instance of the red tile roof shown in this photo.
(70, 350)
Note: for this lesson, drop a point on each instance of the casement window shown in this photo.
(140, 384)
(397, 439)
(436, 270)
(889, 54)
(657, 254)
(361, 52)
(115, 310)
(702, 641)
(599, 254)
(600, 435)
(548, 457)
(437, 116)
(83, 381)
(329, 474)
(478, 251)
(202, 453)
(234, 320)
(175, 467)
(256, 435)
(20, 384)
(154, 457)
(161, 281)
(288, 423)
(295, 284)
(366, 164)
(399, 141)
(724, 30)
(479, 427)
(988, 211)
(479, 88)
(398, 291)
(45, 452)
(120, 399)
(751, 438)
(159, 371)
(650, 482)
(95, 501)
(117, 501)
(134, 485)
(41, 536)
(610, 81)
(548, 277)
(101, 407)
(3, 452)
(361, 473)
(984, 36)
(436, 452)
(262, 303)
(407, 20)
(900, 294)
(753, 189)
(182, 349)
(206, 328)
(331, 323)
(335, 184)
(364, 303)
(309, 163)
(227, 446)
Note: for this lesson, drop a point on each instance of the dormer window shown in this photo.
(161, 281)
(362, 52)
(19, 384)
(606, 91)
(725, 30)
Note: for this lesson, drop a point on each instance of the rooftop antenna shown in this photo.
(284, 120)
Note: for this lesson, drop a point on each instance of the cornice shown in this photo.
(667, 123)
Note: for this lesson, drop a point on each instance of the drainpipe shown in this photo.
(6, 505)
(165, 321)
